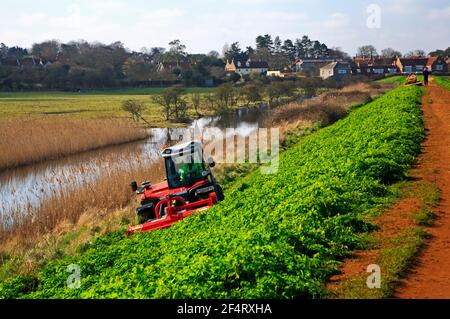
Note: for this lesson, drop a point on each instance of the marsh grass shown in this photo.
(329, 106)
(26, 141)
(22, 228)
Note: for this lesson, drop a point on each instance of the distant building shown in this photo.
(10, 61)
(312, 65)
(28, 61)
(170, 66)
(412, 64)
(336, 70)
(248, 67)
(437, 65)
(374, 66)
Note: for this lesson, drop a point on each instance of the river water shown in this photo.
(26, 187)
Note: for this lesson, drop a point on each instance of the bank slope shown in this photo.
(275, 236)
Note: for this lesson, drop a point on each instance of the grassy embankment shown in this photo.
(397, 79)
(275, 235)
(443, 81)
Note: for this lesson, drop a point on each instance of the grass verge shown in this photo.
(443, 81)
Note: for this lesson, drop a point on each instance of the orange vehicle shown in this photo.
(412, 80)
(190, 187)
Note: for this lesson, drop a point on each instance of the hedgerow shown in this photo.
(274, 236)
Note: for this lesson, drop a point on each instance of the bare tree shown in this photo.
(226, 96)
(135, 108)
(252, 93)
(367, 51)
(390, 53)
(418, 53)
(174, 106)
(196, 100)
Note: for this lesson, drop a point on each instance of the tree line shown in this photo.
(369, 51)
(83, 65)
(280, 53)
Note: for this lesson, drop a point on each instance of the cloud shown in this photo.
(402, 7)
(72, 19)
(155, 24)
(31, 19)
(438, 14)
(336, 20)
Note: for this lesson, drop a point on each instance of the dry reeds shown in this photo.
(26, 141)
(328, 107)
(106, 194)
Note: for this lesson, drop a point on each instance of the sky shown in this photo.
(205, 25)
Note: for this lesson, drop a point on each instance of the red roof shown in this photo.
(174, 65)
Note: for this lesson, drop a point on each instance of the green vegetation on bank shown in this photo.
(396, 79)
(275, 236)
(443, 81)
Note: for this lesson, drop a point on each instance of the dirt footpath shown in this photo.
(430, 276)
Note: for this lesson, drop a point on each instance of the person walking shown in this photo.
(426, 75)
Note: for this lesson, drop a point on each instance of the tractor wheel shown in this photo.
(220, 195)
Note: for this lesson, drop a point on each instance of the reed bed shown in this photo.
(26, 141)
(328, 107)
(103, 195)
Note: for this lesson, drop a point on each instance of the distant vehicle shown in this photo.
(412, 80)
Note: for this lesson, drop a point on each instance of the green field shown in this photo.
(94, 104)
(274, 236)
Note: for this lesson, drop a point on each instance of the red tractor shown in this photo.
(190, 187)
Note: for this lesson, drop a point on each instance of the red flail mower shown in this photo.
(190, 187)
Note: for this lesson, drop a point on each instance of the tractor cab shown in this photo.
(184, 164)
(189, 187)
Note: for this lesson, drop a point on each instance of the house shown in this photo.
(336, 70)
(10, 61)
(29, 62)
(312, 65)
(170, 66)
(437, 65)
(412, 64)
(246, 68)
(374, 66)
